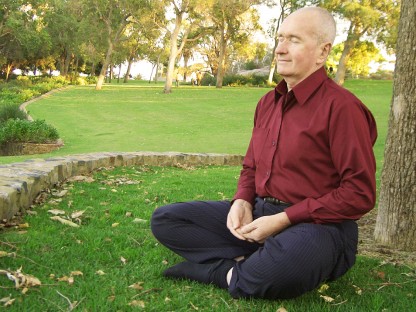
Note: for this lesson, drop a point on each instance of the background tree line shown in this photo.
(93, 36)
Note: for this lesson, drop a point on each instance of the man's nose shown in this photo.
(281, 48)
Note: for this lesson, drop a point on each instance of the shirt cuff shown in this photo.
(246, 195)
(298, 213)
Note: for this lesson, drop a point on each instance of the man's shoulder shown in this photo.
(333, 90)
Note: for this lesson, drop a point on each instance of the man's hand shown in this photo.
(241, 213)
(264, 227)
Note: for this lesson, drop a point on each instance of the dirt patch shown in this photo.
(15, 149)
(369, 248)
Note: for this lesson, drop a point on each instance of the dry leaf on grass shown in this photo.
(77, 214)
(138, 220)
(323, 288)
(137, 286)
(137, 303)
(64, 221)
(21, 280)
(3, 253)
(81, 179)
(7, 301)
(327, 298)
(56, 212)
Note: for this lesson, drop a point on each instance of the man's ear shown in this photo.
(325, 49)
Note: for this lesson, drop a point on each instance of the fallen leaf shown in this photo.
(323, 288)
(381, 275)
(23, 226)
(56, 212)
(115, 224)
(137, 303)
(137, 286)
(123, 260)
(5, 299)
(71, 280)
(358, 290)
(77, 214)
(9, 302)
(63, 279)
(138, 220)
(64, 221)
(281, 309)
(20, 279)
(61, 193)
(81, 179)
(111, 298)
(3, 253)
(100, 272)
(327, 298)
(129, 214)
(77, 273)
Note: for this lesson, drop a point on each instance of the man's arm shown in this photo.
(352, 134)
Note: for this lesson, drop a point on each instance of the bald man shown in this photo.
(307, 176)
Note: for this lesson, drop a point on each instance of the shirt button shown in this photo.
(267, 173)
(274, 143)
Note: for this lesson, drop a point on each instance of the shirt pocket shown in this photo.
(259, 140)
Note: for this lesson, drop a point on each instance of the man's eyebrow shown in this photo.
(290, 36)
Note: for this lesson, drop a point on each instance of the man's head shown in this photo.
(305, 40)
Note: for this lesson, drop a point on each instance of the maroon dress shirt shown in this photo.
(312, 147)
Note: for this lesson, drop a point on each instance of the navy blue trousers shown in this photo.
(287, 265)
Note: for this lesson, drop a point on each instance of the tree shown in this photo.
(396, 218)
(22, 35)
(376, 19)
(64, 21)
(233, 21)
(360, 58)
(187, 15)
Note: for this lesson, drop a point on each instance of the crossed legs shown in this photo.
(285, 266)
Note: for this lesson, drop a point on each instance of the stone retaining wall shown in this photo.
(20, 183)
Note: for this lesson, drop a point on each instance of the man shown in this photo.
(308, 174)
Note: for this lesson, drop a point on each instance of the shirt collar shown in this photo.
(305, 88)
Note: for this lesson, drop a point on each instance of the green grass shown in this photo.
(108, 234)
(138, 117)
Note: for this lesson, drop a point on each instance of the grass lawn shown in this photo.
(139, 117)
(111, 262)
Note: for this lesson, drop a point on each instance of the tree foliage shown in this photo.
(92, 36)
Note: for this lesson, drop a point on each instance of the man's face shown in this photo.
(298, 52)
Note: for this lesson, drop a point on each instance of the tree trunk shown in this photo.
(119, 73)
(92, 74)
(349, 44)
(126, 77)
(9, 68)
(221, 59)
(173, 53)
(67, 63)
(396, 218)
(106, 62)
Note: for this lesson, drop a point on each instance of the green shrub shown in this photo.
(208, 80)
(235, 80)
(25, 131)
(11, 111)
